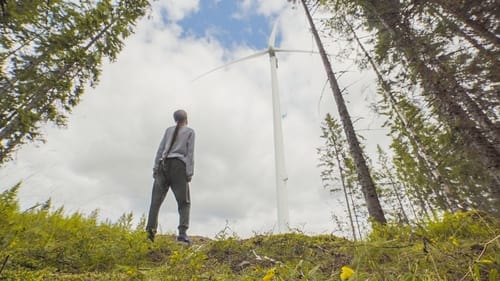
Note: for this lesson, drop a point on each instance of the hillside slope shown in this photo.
(40, 244)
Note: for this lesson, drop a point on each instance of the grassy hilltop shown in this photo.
(40, 244)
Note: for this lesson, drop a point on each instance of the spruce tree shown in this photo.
(49, 52)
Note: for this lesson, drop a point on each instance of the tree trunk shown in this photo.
(423, 154)
(460, 32)
(463, 11)
(342, 180)
(436, 87)
(368, 187)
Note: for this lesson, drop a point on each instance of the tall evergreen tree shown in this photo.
(395, 108)
(49, 52)
(368, 187)
(481, 17)
(438, 74)
(469, 185)
(333, 161)
(392, 192)
(409, 37)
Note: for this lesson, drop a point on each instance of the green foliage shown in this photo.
(436, 63)
(47, 242)
(49, 52)
(339, 174)
(40, 244)
(397, 205)
(450, 248)
(432, 151)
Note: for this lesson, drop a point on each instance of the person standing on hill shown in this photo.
(173, 168)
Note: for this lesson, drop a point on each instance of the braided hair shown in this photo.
(180, 116)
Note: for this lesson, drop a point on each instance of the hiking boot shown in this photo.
(151, 235)
(183, 238)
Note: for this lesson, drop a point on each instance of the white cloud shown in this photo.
(263, 7)
(176, 10)
(269, 8)
(103, 159)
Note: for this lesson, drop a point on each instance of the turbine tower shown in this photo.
(279, 153)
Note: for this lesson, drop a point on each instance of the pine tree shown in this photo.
(439, 79)
(333, 156)
(368, 187)
(391, 189)
(409, 37)
(49, 52)
(395, 108)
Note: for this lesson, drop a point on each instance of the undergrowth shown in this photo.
(46, 244)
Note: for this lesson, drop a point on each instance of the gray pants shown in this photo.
(172, 173)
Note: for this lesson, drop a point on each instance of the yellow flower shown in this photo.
(346, 273)
(486, 261)
(454, 241)
(269, 275)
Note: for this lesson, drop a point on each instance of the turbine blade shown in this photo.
(272, 37)
(295, 51)
(231, 63)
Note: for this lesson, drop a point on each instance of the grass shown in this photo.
(47, 245)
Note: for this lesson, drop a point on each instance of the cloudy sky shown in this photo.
(103, 159)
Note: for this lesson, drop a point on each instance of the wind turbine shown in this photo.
(279, 153)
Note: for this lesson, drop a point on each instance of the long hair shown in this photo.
(179, 116)
(176, 131)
